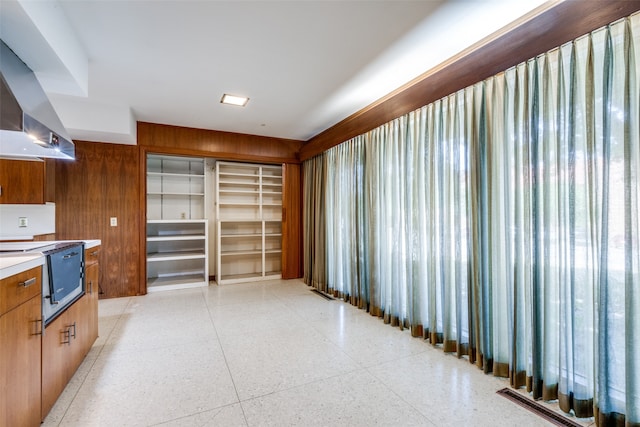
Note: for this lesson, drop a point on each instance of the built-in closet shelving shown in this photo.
(177, 230)
(249, 219)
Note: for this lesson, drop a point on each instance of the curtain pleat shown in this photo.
(502, 224)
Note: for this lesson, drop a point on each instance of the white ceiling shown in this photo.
(305, 65)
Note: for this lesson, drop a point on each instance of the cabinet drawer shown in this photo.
(19, 288)
(91, 255)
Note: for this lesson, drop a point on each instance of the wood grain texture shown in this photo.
(292, 221)
(142, 218)
(168, 139)
(20, 361)
(49, 180)
(561, 23)
(44, 237)
(22, 181)
(103, 182)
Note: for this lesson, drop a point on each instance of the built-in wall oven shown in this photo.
(62, 276)
(64, 283)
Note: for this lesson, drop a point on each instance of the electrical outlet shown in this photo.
(23, 221)
(114, 221)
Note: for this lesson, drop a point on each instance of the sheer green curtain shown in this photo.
(502, 223)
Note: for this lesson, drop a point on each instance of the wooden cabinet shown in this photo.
(23, 182)
(61, 352)
(20, 350)
(69, 337)
(249, 218)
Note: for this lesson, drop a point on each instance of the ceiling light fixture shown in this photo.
(234, 100)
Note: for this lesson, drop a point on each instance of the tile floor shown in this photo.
(271, 353)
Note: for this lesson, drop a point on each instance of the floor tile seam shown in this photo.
(183, 417)
(108, 337)
(215, 308)
(296, 313)
(224, 356)
(336, 343)
(388, 387)
(162, 347)
(304, 384)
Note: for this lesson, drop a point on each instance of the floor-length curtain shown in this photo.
(314, 233)
(502, 223)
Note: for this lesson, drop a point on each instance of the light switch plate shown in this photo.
(23, 221)
(114, 221)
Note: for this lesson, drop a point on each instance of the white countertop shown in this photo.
(16, 262)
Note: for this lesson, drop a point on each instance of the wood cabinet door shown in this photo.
(56, 359)
(66, 342)
(20, 374)
(21, 181)
(89, 329)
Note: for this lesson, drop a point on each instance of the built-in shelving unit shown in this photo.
(175, 187)
(249, 218)
(177, 230)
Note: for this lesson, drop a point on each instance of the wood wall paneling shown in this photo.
(292, 221)
(49, 180)
(561, 23)
(103, 182)
(142, 235)
(168, 139)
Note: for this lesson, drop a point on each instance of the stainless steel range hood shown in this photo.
(29, 126)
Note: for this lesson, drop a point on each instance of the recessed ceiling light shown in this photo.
(234, 100)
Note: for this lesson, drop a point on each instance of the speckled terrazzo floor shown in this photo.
(270, 353)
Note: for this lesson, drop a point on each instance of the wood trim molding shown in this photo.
(168, 139)
(554, 26)
(142, 235)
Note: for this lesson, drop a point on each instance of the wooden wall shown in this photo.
(103, 182)
(220, 145)
(561, 23)
(292, 259)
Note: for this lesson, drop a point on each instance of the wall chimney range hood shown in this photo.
(29, 126)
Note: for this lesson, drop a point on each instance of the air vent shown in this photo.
(322, 294)
(536, 408)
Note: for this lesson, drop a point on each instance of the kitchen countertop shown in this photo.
(16, 262)
(13, 263)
